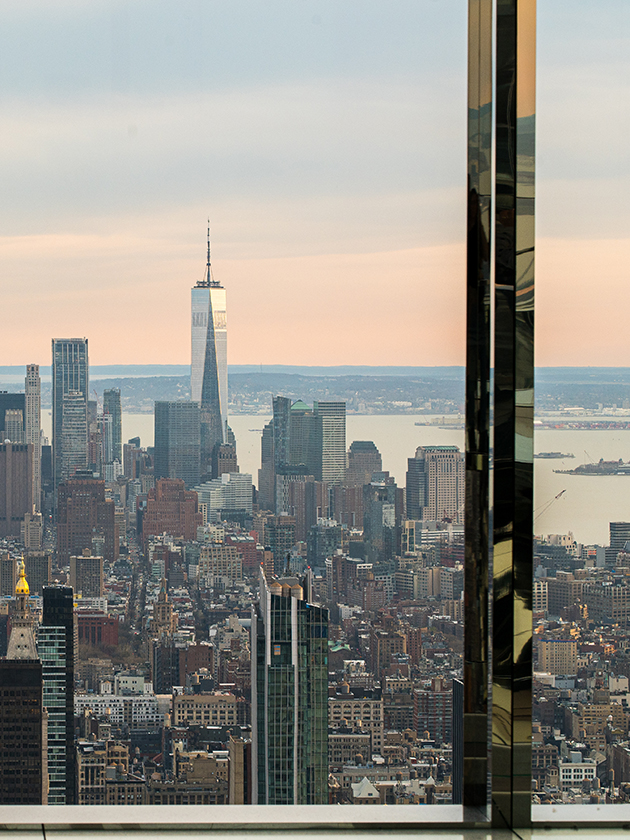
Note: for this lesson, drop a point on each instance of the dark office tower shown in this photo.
(14, 425)
(281, 431)
(302, 505)
(23, 778)
(208, 374)
(305, 444)
(332, 417)
(364, 460)
(57, 643)
(435, 484)
(16, 486)
(458, 742)
(380, 522)
(33, 428)
(70, 376)
(86, 575)
(111, 408)
(289, 694)
(177, 441)
(39, 570)
(224, 460)
(266, 473)
(8, 575)
(280, 537)
(82, 514)
(11, 403)
(619, 536)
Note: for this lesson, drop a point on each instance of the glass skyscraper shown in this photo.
(289, 694)
(57, 647)
(112, 408)
(70, 377)
(208, 379)
(177, 441)
(51, 647)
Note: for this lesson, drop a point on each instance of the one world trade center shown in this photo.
(208, 380)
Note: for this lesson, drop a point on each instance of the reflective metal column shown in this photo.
(513, 412)
(475, 787)
(499, 425)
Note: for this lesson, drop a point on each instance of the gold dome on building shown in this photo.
(22, 584)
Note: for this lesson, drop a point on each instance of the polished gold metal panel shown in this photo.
(475, 786)
(513, 412)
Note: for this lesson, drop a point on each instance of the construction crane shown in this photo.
(545, 507)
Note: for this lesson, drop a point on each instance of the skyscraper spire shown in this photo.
(209, 280)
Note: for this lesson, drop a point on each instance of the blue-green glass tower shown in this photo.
(289, 694)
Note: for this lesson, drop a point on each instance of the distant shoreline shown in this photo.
(572, 375)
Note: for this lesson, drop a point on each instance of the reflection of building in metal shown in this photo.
(177, 441)
(208, 376)
(289, 694)
(435, 484)
(69, 406)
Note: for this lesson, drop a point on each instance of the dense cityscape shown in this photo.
(175, 631)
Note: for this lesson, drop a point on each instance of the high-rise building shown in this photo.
(23, 743)
(83, 515)
(8, 575)
(433, 709)
(171, 509)
(112, 408)
(10, 403)
(39, 570)
(333, 431)
(289, 694)
(177, 441)
(228, 497)
(70, 375)
(57, 643)
(364, 460)
(280, 537)
(74, 435)
(208, 376)
(33, 428)
(86, 575)
(14, 425)
(435, 484)
(16, 486)
(380, 521)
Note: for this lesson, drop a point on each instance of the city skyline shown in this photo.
(281, 141)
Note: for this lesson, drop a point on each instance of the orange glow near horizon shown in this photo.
(131, 298)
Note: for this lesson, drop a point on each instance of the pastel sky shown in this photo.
(326, 141)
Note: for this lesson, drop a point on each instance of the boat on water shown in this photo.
(556, 455)
(600, 468)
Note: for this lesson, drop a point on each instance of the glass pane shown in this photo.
(244, 592)
(582, 437)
